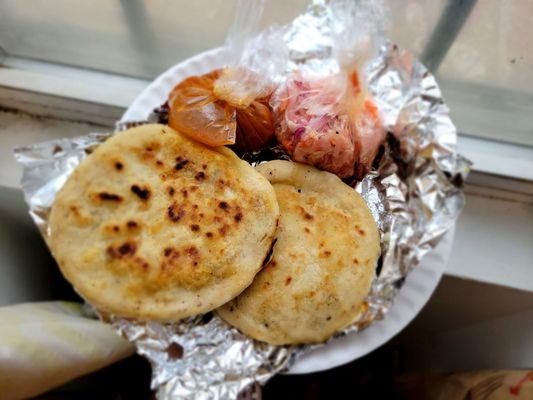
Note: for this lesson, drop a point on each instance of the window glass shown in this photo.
(487, 75)
(131, 37)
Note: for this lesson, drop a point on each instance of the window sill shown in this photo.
(493, 235)
(64, 92)
(75, 94)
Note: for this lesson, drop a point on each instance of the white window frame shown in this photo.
(72, 93)
(502, 172)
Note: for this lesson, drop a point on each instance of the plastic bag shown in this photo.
(323, 113)
(329, 123)
(231, 106)
(205, 112)
(313, 124)
(195, 111)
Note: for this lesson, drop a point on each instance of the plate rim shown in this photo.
(345, 349)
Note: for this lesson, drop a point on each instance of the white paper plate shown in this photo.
(416, 291)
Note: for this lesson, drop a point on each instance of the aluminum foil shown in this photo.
(414, 193)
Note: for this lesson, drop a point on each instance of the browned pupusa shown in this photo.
(322, 263)
(155, 226)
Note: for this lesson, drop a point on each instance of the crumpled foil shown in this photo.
(414, 193)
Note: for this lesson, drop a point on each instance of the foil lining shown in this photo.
(47, 167)
(414, 193)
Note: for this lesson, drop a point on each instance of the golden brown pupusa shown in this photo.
(153, 225)
(322, 264)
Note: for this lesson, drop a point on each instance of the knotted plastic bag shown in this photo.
(231, 106)
(324, 115)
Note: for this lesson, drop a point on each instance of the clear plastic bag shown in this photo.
(324, 115)
(313, 123)
(231, 106)
(308, 93)
(195, 111)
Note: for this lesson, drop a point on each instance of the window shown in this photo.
(131, 37)
(478, 49)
